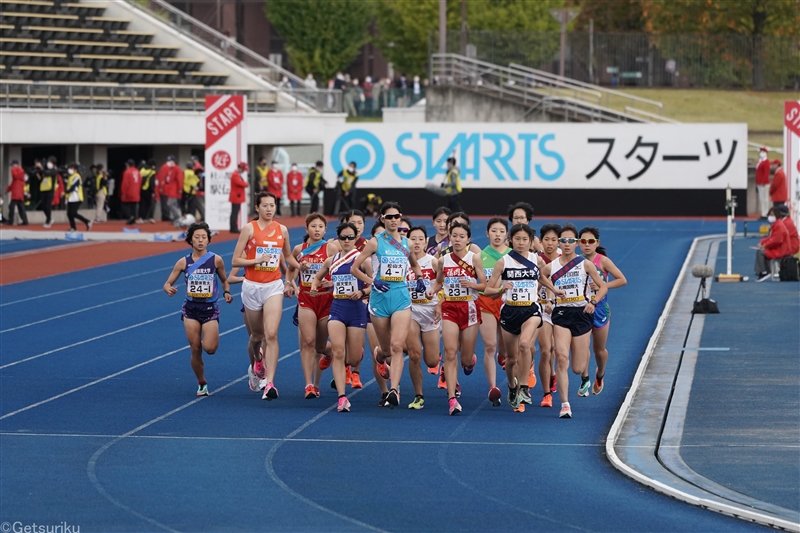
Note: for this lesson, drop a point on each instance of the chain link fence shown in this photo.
(644, 60)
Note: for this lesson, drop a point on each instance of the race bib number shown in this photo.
(344, 285)
(572, 288)
(418, 297)
(453, 291)
(200, 285)
(271, 265)
(522, 294)
(393, 268)
(307, 276)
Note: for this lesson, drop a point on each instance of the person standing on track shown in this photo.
(262, 245)
(17, 190)
(314, 185)
(591, 249)
(572, 316)
(547, 370)
(130, 191)
(74, 194)
(275, 184)
(294, 189)
(348, 312)
(147, 170)
(460, 273)
(389, 302)
(200, 311)
(237, 195)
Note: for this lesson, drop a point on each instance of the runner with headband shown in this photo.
(200, 310)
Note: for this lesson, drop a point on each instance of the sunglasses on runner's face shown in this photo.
(347, 237)
(402, 230)
(569, 240)
(393, 216)
(588, 241)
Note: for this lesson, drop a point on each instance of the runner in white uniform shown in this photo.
(550, 252)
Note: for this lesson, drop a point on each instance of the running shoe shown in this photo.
(566, 412)
(202, 390)
(764, 276)
(435, 370)
(468, 369)
(316, 391)
(270, 392)
(418, 403)
(252, 379)
(347, 375)
(547, 401)
(494, 396)
(344, 405)
(383, 368)
(262, 383)
(441, 384)
(310, 395)
(458, 390)
(553, 384)
(525, 395)
(355, 380)
(597, 388)
(382, 402)
(455, 407)
(393, 398)
(501, 360)
(520, 408)
(584, 388)
(531, 378)
(513, 398)
(258, 368)
(325, 362)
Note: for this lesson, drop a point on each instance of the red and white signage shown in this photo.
(226, 147)
(791, 155)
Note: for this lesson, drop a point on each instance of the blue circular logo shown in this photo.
(362, 147)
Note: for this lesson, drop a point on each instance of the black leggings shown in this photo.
(72, 214)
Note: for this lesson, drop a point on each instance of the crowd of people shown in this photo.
(400, 291)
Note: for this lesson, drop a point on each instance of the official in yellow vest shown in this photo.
(452, 186)
(346, 198)
(74, 194)
(147, 171)
(101, 186)
(314, 184)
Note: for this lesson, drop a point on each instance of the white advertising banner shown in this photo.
(226, 147)
(544, 155)
(791, 156)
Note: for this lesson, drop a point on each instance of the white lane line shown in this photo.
(80, 311)
(91, 467)
(111, 376)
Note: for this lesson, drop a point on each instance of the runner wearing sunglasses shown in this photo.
(591, 249)
(572, 316)
(348, 312)
(372, 337)
(390, 302)
(461, 275)
(426, 316)
(517, 276)
(547, 370)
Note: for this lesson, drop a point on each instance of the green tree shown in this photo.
(322, 36)
(747, 17)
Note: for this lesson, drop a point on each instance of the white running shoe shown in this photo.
(252, 379)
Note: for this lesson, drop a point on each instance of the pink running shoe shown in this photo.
(455, 407)
(344, 405)
(259, 369)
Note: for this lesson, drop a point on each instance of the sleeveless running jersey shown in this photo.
(524, 278)
(344, 283)
(268, 241)
(573, 282)
(314, 260)
(428, 275)
(453, 274)
(392, 262)
(542, 289)
(490, 256)
(597, 261)
(201, 279)
(433, 246)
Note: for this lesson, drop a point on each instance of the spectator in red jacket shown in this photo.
(130, 191)
(17, 190)
(238, 194)
(162, 176)
(777, 191)
(275, 184)
(791, 229)
(776, 245)
(762, 182)
(294, 189)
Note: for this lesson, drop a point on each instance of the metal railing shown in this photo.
(159, 98)
(540, 92)
(232, 50)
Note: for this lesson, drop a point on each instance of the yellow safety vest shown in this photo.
(262, 174)
(313, 177)
(98, 181)
(71, 181)
(146, 174)
(190, 182)
(453, 182)
(349, 179)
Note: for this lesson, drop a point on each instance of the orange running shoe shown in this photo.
(316, 391)
(347, 375)
(531, 379)
(310, 394)
(520, 409)
(547, 400)
(355, 380)
(324, 362)
(435, 370)
(442, 384)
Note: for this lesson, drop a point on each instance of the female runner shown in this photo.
(440, 224)
(550, 252)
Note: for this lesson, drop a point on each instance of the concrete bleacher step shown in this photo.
(27, 5)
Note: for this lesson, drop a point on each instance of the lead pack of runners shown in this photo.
(404, 294)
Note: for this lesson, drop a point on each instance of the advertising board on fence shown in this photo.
(791, 155)
(544, 155)
(226, 147)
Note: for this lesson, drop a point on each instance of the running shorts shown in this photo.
(320, 304)
(464, 313)
(385, 304)
(574, 319)
(602, 314)
(201, 311)
(351, 313)
(512, 317)
(255, 295)
(423, 315)
(490, 305)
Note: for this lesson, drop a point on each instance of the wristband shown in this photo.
(225, 292)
